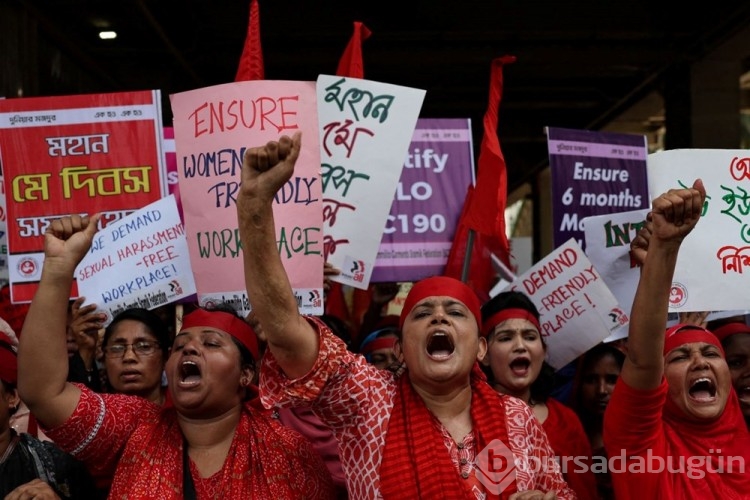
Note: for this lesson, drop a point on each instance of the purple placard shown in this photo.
(437, 172)
(594, 173)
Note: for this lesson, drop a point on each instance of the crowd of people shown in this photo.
(449, 399)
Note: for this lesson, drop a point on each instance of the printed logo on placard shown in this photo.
(315, 298)
(358, 270)
(678, 295)
(175, 288)
(618, 316)
(28, 267)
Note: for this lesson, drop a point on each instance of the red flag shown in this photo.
(484, 207)
(480, 275)
(350, 63)
(251, 61)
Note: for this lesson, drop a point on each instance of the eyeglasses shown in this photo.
(142, 348)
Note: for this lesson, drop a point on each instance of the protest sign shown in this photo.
(3, 237)
(213, 127)
(365, 129)
(419, 229)
(714, 260)
(577, 309)
(594, 173)
(170, 166)
(141, 261)
(608, 240)
(97, 153)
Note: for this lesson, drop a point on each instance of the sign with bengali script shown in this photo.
(365, 129)
(577, 309)
(78, 154)
(438, 170)
(713, 266)
(142, 260)
(213, 127)
(594, 173)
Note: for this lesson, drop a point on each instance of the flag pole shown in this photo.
(467, 256)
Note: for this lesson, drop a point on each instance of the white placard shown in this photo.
(713, 267)
(577, 309)
(141, 260)
(365, 131)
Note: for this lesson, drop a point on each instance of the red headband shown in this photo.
(730, 329)
(377, 344)
(512, 313)
(441, 286)
(682, 334)
(8, 361)
(226, 322)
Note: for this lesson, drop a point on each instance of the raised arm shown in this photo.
(674, 214)
(290, 337)
(42, 355)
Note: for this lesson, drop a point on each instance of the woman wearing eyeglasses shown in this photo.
(136, 347)
(212, 440)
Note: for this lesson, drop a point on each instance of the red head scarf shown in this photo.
(442, 286)
(682, 334)
(227, 322)
(8, 362)
(688, 438)
(511, 313)
(730, 329)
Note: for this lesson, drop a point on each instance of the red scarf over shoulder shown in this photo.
(415, 463)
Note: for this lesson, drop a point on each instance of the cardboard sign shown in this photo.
(577, 309)
(213, 127)
(366, 128)
(594, 173)
(78, 154)
(419, 230)
(713, 267)
(141, 260)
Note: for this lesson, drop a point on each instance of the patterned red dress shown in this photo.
(355, 400)
(141, 444)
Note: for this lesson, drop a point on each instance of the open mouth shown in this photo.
(743, 393)
(703, 390)
(190, 373)
(440, 345)
(520, 366)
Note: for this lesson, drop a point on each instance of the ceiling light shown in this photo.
(107, 35)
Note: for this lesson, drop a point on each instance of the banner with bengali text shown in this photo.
(713, 267)
(365, 128)
(75, 154)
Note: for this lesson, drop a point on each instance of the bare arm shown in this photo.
(291, 339)
(674, 215)
(42, 355)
